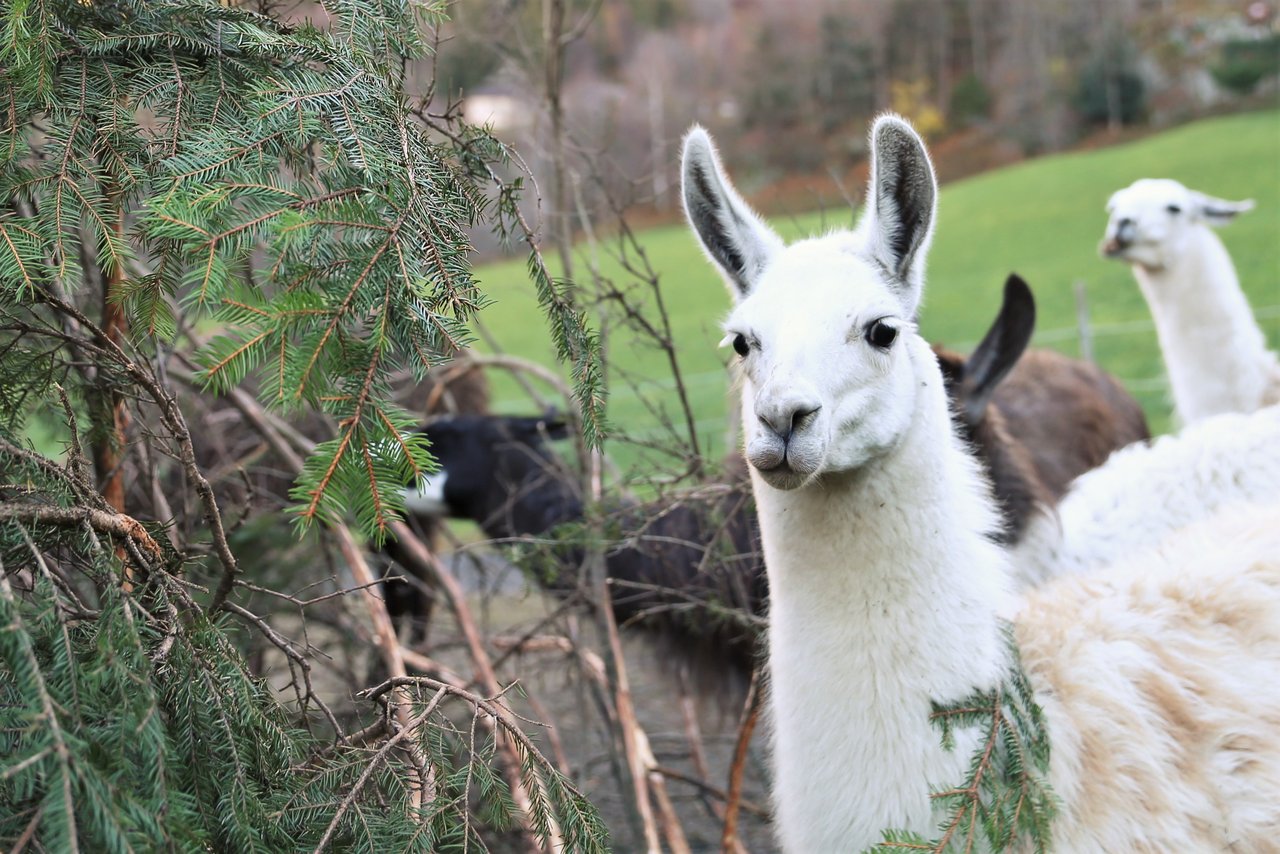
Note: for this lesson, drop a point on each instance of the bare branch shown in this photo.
(116, 524)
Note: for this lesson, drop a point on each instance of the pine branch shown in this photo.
(1005, 801)
(185, 162)
(404, 732)
(116, 524)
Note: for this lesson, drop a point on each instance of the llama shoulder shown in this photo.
(1147, 490)
(1157, 677)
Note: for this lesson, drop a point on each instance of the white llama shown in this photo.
(1214, 352)
(1145, 491)
(1164, 709)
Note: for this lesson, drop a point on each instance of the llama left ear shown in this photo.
(903, 194)
(1219, 211)
(733, 236)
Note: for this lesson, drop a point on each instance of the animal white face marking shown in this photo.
(830, 390)
(824, 329)
(427, 497)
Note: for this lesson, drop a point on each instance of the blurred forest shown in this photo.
(790, 84)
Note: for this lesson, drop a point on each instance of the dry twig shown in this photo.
(750, 714)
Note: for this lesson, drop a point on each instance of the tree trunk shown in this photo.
(977, 40)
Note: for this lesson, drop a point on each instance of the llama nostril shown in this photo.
(1125, 232)
(785, 420)
(774, 425)
(803, 416)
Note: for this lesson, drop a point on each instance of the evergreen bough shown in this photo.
(271, 182)
(273, 179)
(1005, 802)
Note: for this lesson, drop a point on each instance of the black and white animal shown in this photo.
(687, 568)
(690, 568)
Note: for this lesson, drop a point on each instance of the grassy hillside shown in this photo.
(1043, 219)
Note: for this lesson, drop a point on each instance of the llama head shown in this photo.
(1149, 218)
(824, 328)
(482, 459)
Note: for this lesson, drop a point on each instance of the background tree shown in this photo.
(187, 184)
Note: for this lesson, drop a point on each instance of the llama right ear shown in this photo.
(735, 239)
(1219, 211)
(902, 196)
(1000, 349)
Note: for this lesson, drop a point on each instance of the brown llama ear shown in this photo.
(1000, 349)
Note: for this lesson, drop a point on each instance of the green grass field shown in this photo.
(1043, 219)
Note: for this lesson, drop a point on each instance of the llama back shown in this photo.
(1158, 679)
(1144, 492)
(1072, 413)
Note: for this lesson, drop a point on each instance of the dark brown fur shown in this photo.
(457, 387)
(1074, 414)
(1052, 419)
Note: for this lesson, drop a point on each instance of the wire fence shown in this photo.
(1085, 333)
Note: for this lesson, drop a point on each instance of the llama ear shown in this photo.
(1219, 211)
(1000, 350)
(733, 236)
(902, 195)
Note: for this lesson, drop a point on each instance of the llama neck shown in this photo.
(1214, 352)
(884, 597)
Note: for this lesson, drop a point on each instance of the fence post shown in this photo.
(1082, 321)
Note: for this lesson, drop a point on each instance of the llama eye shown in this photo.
(1173, 209)
(881, 334)
(740, 345)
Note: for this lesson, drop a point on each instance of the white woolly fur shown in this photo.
(1144, 492)
(1214, 351)
(1157, 678)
